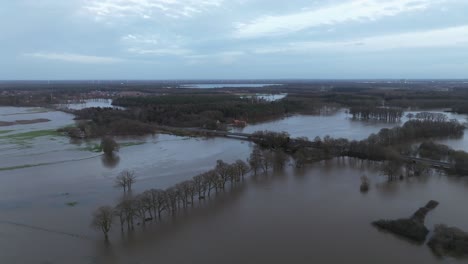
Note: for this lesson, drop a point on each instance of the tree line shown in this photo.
(153, 204)
(387, 146)
(374, 113)
(429, 116)
(431, 150)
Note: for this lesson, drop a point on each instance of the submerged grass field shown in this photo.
(129, 144)
(97, 147)
(24, 139)
(31, 135)
(5, 131)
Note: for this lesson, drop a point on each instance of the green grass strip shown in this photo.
(72, 204)
(129, 144)
(5, 131)
(32, 134)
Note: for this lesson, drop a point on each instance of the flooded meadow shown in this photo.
(50, 185)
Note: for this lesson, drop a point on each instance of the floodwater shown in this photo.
(267, 97)
(312, 215)
(101, 102)
(335, 124)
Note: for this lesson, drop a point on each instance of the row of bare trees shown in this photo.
(152, 204)
(385, 114)
(429, 116)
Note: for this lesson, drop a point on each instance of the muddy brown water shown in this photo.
(312, 215)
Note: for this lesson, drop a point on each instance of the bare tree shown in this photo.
(102, 219)
(140, 208)
(182, 190)
(267, 160)
(210, 180)
(172, 199)
(191, 190)
(233, 174)
(391, 169)
(242, 168)
(200, 186)
(222, 168)
(127, 212)
(120, 213)
(280, 159)
(255, 159)
(125, 180)
(146, 204)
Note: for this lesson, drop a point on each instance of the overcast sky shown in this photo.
(246, 39)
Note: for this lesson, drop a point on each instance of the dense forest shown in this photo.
(203, 110)
(451, 95)
(144, 115)
(149, 105)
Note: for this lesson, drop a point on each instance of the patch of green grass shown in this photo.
(129, 144)
(22, 166)
(5, 131)
(97, 147)
(72, 204)
(32, 134)
(41, 164)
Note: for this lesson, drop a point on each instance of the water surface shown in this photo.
(312, 215)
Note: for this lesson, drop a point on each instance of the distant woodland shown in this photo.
(149, 105)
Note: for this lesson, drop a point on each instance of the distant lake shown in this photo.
(227, 85)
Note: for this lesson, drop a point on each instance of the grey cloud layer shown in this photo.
(236, 38)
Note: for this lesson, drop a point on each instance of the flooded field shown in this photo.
(88, 103)
(49, 187)
(335, 124)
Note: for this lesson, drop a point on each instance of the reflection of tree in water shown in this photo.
(110, 161)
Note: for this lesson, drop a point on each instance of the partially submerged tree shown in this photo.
(267, 160)
(300, 157)
(391, 169)
(242, 168)
(364, 184)
(151, 204)
(109, 146)
(125, 180)
(280, 159)
(102, 219)
(255, 160)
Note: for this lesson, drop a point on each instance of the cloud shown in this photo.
(446, 37)
(146, 9)
(355, 10)
(160, 51)
(141, 39)
(76, 58)
(224, 57)
(154, 44)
